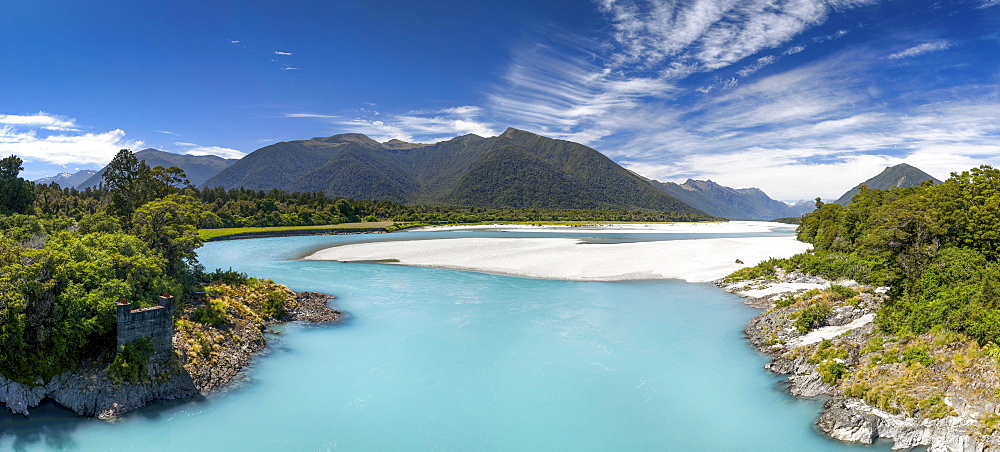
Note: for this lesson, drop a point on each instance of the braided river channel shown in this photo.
(436, 359)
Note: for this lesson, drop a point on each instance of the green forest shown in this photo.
(61, 274)
(935, 245)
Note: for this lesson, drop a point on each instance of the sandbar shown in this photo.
(695, 260)
(717, 227)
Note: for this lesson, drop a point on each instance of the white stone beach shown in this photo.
(692, 260)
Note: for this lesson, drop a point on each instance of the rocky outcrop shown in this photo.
(966, 379)
(852, 420)
(91, 391)
(313, 308)
(214, 357)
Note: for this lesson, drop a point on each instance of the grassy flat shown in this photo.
(207, 234)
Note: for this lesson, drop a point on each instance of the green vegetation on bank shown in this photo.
(936, 247)
(60, 276)
(208, 234)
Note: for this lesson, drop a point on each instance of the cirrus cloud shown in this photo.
(921, 49)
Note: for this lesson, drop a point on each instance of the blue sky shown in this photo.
(801, 98)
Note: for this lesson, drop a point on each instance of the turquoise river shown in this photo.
(435, 359)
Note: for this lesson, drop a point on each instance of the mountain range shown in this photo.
(901, 175)
(67, 180)
(514, 169)
(726, 202)
(198, 168)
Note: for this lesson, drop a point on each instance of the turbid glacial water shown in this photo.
(450, 360)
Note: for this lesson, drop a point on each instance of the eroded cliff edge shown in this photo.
(933, 390)
(216, 335)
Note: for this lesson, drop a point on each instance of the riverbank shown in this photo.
(937, 390)
(211, 235)
(207, 357)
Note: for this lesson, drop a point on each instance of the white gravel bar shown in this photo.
(695, 260)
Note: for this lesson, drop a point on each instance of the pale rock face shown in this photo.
(853, 420)
(90, 392)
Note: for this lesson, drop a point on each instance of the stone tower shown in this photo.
(156, 323)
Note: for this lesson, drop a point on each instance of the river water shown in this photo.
(435, 359)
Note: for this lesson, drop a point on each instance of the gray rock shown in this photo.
(89, 391)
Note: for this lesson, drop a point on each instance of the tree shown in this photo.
(132, 183)
(16, 194)
(121, 179)
(170, 225)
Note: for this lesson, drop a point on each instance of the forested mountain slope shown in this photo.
(515, 169)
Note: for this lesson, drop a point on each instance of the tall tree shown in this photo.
(170, 226)
(132, 183)
(16, 194)
(121, 178)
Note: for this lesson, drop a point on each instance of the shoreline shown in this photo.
(954, 423)
(296, 233)
(654, 228)
(90, 391)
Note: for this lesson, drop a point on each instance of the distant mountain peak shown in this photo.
(358, 138)
(733, 203)
(398, 145)
(513, 133)
(197, 168)
(67, 179)
(899, 175)
(696, 182)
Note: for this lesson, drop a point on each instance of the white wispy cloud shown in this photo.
(831, 37)
(815, 123)
(64, 149)
(377, 130)
(590, 94)
(278, 52)
(418, 125)
(568, 97)
(422, 125)
(40, 120)
(793, 50)
(167, 132)
(757, 65)
(195, 149)
(703, 35)
(921, 49)
(289, 68)
(308, 115)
